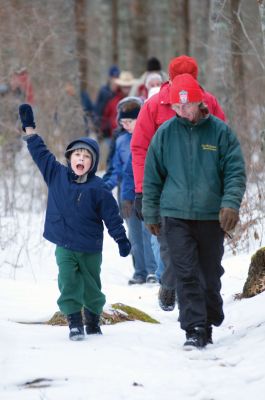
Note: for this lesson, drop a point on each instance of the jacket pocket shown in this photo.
(54, 218)
(55, 226)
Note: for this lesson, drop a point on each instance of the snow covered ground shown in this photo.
(132, 360)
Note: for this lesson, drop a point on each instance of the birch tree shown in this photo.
(198, 39)
(261, 4)
(219, 77)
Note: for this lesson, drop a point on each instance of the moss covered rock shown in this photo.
(117, 312)
(58, 318)
(255, 283)
(134, 313)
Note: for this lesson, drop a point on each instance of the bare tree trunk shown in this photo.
(238, 92)
(179, 12)
(261, 4)
(139, 34)
(198, 47)
(115, 51)
(186, 17)
(125, 40)
(81, 35)
(219, 55)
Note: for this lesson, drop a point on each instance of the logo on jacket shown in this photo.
(183, 96)
(209, 147)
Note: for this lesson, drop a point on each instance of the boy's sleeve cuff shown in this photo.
(27, 137)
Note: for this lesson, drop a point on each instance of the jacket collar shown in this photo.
(200, 122)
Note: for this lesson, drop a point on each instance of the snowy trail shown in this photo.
(132, 360)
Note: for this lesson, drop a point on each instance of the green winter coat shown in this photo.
(192, 170)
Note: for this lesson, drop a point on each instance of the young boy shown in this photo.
(78, 203)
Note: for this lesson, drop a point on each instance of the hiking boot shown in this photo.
(77, 333)
(167, 298)
(136, 281)
(92, 323)
(76, 327)
(209, 332)
(196, 338)
(151, 278)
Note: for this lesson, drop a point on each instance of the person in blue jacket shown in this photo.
(78, 204)
(143, 258)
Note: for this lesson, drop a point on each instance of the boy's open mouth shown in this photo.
(80, 167)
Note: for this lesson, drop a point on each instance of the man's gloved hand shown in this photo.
(154, 229)
(228, 218)
(26, 116)
(138, 205)
(126, 208)
(124, 247)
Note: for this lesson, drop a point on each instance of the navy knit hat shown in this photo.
(114, 71)
(130, 114)
(138, 101)
(81, 145)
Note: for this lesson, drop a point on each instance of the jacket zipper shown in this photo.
(190, 174)
(79, 198)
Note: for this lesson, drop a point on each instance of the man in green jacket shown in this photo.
(194, 181)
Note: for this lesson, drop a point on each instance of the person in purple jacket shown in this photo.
(78, 204)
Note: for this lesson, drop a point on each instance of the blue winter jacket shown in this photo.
(75, 211)
(120, 159)
(127, 184)
(112, 148)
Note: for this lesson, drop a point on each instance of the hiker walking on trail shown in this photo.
(194, 181)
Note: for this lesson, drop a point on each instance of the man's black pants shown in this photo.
(195, 249)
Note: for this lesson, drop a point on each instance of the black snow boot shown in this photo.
(76, 326)
(209, 333)
(167, 298)
(196, 338)
(92, 323)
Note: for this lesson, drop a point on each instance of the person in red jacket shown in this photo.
(158, 110)
(20, 82)
(109, 120)
(154, 113)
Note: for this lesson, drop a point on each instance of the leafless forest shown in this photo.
(68, 45)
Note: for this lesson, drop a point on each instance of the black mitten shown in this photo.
(26, 116)
(124, 247)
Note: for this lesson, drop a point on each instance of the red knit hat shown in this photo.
(182, 65)
(185, 89)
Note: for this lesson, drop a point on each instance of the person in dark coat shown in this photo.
(194, 182)
(106, 93)
(78, 204)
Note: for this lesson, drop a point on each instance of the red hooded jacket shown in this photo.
(154, 112)
(22, 81)
(109, 118)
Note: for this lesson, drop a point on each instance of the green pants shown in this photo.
(79, 281)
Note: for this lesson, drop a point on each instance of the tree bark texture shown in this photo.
(70, 44)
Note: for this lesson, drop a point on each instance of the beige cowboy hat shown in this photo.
(126, 78)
